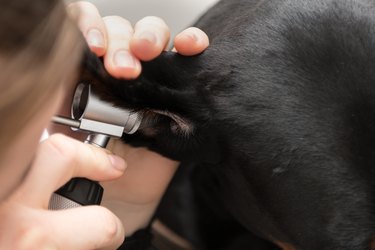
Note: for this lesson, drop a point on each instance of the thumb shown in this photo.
(89, 227)
(60, 158)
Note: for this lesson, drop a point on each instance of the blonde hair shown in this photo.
(40, 47)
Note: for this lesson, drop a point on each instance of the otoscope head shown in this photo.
(98, 116)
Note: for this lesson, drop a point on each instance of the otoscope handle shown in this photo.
(80, 191)
(77, 192)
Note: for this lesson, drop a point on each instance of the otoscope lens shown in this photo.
(80, 100)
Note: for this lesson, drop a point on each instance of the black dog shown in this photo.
(278, 115)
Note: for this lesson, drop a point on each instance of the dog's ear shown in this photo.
(180, 126)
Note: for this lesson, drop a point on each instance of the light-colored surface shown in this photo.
(178, 14)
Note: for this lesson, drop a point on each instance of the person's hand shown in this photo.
(27, 224)
(134, 197)
(124, 46)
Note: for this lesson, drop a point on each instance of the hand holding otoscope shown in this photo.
(101, 120)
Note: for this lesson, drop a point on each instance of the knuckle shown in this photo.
(154, 20)
(98, 157)
(57, 142)
(118, 27)
(111, 228)
(117, 20)
(77, 155)
(62, 146)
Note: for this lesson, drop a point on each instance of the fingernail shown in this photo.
(124, 59)
(117, 162)
(192, 36)
(148, 36)
(95, 38)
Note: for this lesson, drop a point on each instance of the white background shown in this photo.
(178, 14)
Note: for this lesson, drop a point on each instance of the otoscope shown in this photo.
(101, 120)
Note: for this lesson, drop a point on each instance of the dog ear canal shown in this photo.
(156, 120)
(178, 124)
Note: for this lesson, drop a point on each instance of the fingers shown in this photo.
(58, 159)
(97, 227)
(191, 41)
(91, 25)
(150, 38)
(118, 60)
(123, 48)
(126, 47)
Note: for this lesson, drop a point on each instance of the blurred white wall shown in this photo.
(178, 14)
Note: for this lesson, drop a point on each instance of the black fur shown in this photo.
(280, 112)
